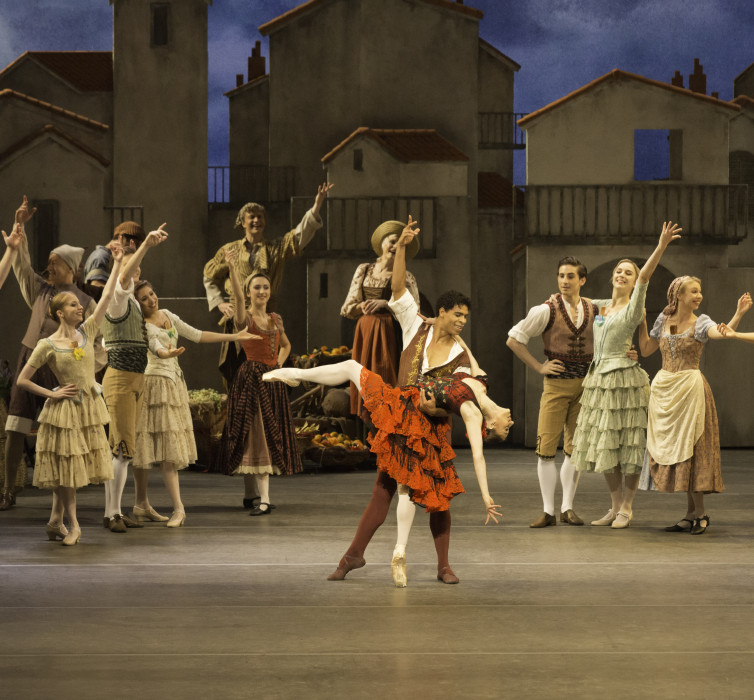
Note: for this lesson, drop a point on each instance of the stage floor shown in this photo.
(232, 607)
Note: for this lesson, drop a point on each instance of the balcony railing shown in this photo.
(250, 183)
(349, 223)
(500, 130)
(124, 212)
(633, 213)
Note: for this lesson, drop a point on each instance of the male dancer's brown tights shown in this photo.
(376, 512)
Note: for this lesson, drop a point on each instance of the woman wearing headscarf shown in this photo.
(683, 441)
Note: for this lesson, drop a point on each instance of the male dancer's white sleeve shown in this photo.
(532, 326)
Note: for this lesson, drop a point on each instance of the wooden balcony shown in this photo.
(633, 213)
(349, 223)
(250, 183)
(500, 130)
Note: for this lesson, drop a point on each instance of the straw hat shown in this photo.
(388, 228)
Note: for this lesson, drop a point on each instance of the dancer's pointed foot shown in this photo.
(346, 564)
(398, 567)
(281, 375)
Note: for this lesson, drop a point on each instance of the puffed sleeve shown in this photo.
(40, 354)
(656, 332)
(354, 297)
(413, 287)
(703, 324)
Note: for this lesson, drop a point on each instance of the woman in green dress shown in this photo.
(611, 430)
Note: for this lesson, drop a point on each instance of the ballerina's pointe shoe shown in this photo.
(177, 519)
(346, 564)
(72, 537)
(398, 568)
(280, 375)
(55, 530)
(149, 513)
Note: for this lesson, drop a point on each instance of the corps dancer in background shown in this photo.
(164, 429)
(259, 437)
(37, 292)
(610, 433)
(683, 440)
(72, 449)
(376, 340)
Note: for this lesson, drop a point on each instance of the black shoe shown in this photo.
(700, 525)
(258, 510)
(679, 528)
(254, 503)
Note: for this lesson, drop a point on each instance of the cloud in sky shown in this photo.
(560, 44)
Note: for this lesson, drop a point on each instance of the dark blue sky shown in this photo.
(560, 44)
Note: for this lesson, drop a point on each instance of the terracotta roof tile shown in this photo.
(496, 192)
(88, 71)
(51, 129)
(618, 75)
(8, 93)
(286, 17)
(406, 144)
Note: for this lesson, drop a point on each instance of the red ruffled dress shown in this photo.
(411, 447)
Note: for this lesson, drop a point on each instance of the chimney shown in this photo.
(697, 80)
(677, 79)
(239, 79)
(256, 62)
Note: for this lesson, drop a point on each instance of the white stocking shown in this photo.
(263, 487)
(569, 480)
(114, 488)
(329, 375)
(405, 513)
(548, 481)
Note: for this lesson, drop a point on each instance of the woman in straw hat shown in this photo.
(376, 343)
(683, 441)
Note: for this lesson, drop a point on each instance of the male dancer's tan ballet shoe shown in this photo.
(56, 530)
(346, 564)
(280, 375)
(398, 567)
(72, 537)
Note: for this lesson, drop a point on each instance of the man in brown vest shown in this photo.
(428, 349)
(565, 324)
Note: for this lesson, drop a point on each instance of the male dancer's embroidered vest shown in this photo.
(126, 340)
(410, 366)
(573, 346)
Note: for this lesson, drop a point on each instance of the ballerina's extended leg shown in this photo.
(329, 375)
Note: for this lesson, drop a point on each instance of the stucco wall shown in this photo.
(590, 138)
(249, 119)
(160, 133)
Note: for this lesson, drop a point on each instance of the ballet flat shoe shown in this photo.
(72, 537)
(606, 519)
(273, 376)
(398, 569)
(55, 531)
(622, 520)
(570, 517)
(139, 514)
(176, 519)
(346, 564)
(130, 522)
(116, 524)
(544, 520)
(258, 510)
(446, 575)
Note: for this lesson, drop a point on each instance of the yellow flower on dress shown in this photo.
(78, 353)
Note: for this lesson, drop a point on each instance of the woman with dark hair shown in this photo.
(610, 435)
(376, 342)
(258, 438)
(683, 440)
(164, 429)
(72, 449)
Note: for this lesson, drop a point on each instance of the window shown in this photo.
(45, 227)
(160, 18)
(658, 154)
(358, 159)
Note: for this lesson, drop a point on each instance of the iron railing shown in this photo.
(633, 213)
(500, 130)
(124, 212)
(250, 183)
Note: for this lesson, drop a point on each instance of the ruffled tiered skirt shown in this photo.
(411, 448)
(72, 448)
(164, 429)
(612, 426)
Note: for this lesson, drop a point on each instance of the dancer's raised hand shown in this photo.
(744, 303)
(319, 199)
(15, 239)
(23, 213)
(409, 233)
(670, 232)
(154, 238)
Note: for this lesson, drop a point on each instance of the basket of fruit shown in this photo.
(338, 450)
(324, 355)
(304, 435)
